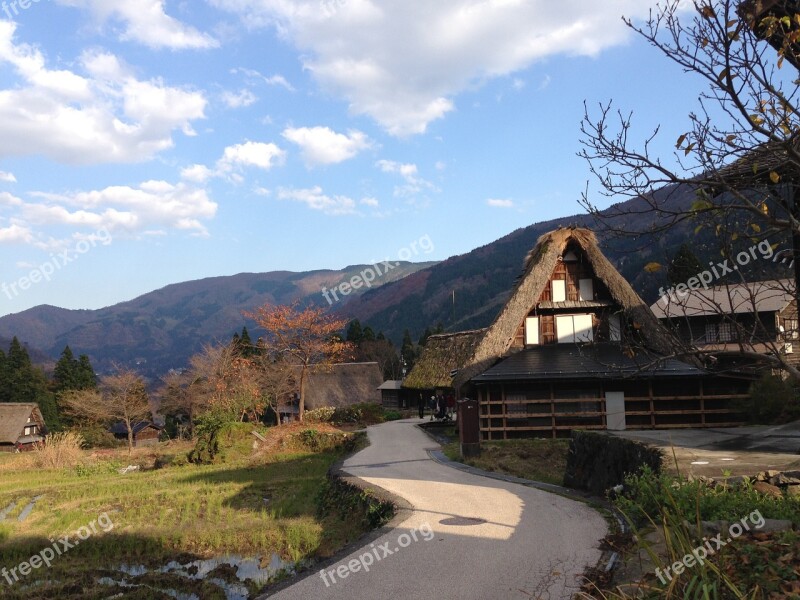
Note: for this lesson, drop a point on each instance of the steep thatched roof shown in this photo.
(442, 355)
(539, 266)
(343, 384)
(14, 416)
(453, 359)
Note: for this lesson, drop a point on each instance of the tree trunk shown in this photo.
(130, 440)
(302, 406)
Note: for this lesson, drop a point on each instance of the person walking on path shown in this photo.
(421, 404)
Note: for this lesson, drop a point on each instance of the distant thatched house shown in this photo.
(343, 384)
(21, 426)
(574, 347)
(145, 433)
(395, 396)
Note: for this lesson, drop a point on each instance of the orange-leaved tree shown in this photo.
(303, 338)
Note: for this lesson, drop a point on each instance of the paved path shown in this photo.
(476, 538)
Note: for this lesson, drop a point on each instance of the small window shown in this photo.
(559, 290)
(725, 332)
(532, 331)
(574, 328)
(586, 290)
(711, 333)
(614, 328)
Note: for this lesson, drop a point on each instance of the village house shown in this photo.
(337, 385)
(21, 426)
(145, 433)
(574, 347)
(760, 316)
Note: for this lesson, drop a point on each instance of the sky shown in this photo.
(149, 142)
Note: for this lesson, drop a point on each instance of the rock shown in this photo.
(773, 525)
(767, 489)
(781, 479)
(732, 482)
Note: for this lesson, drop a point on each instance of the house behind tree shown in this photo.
(21, 426)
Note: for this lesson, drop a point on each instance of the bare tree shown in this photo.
(740, 152)
(121, 397)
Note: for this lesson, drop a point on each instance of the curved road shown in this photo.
(467, 537)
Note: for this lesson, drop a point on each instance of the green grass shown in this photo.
(537, 459)
(251, 507)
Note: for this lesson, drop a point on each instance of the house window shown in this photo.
(586, 289)
(532, 331)
(574, 328)
(725, 332)
(790, 329)
(31, 429)
(614, 328)
(711, 333)
(559, 290)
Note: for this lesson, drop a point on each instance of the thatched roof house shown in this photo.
(443, 355)
(574, 346)
(21, 425)
(470, 353)
(343, 384)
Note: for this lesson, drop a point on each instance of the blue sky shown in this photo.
(157, 142)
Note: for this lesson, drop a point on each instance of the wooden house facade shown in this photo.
(760, 316)
(575, 347)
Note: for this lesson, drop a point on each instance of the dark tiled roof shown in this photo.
(121, 429)
(586, 361)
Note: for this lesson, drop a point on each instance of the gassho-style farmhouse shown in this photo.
(574, 347)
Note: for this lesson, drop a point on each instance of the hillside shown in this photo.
(162, 329)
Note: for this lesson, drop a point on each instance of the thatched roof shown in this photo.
(14, 416)
(442, 355)
(471, 353)
(343, 384)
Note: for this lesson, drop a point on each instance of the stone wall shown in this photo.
(599, 461)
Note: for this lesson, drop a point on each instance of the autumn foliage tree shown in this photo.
(302, 339)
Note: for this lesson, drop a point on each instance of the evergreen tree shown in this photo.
(246, 343)
(407, 351)
(369, 334)
(683, 266)
(26, 383)
(5, 383)
(86, 379)
(354, 332)
(65, 375)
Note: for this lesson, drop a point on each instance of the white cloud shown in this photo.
(518, 84)
(146, 22)
(105, 116)
(414, 184)
(250, 154)
(316, 199)
(500, 203)
(7, 199)
(240, 99)
(15, 234)
(7, 177)
(132, 209)
(234, 160)
(275, 80)
(361, 50)
(545, 83)
(323, 146)
(370, 202)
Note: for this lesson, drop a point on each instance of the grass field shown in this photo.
(258, 505)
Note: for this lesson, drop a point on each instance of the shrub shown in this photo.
(97, 436)
(319, 415)
(772, 400)
(59, 450)
(392, 415)
(219, 439)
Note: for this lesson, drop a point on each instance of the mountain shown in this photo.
(162, 329)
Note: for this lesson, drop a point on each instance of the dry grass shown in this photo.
(58, 451)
